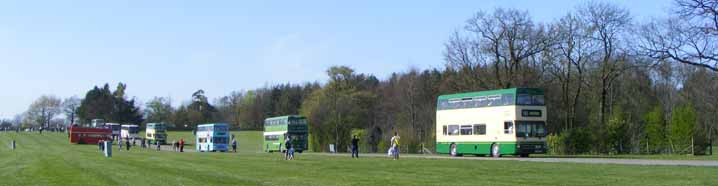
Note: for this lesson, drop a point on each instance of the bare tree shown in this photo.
(505, 40)
(44, 109)
(70, 107)
(690, 36)
(608, 25)
(573, 46)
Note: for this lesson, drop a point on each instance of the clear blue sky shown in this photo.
(172, 48)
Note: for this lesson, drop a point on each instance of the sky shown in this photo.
(173, 48)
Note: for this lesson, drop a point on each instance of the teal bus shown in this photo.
(276, 130)
(212, 137)
(156, 132)
(495, 122)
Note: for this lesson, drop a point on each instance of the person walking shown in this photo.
(234, 145)
(287, 145)
(355, 147)
(395, 146)
(158, 145)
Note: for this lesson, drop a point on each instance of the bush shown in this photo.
(573, 141)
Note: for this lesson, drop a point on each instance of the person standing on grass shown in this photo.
(355, 147)
(287, 145)
(127, 144)
(99, 145)
(234, 144)
(158, 145)
(291, 151)
(119, 143)
(395, 145)
(181, 144)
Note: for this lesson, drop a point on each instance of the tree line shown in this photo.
(612, 85)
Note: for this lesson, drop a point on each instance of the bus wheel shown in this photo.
(299, 151)
(495, 150)
(524, 155)
(452, 150)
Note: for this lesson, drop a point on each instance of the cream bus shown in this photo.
(494, 122)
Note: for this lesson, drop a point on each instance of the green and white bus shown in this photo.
(155, 132)
(276, 130)
(494, 122)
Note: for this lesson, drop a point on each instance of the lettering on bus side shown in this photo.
(476, 102)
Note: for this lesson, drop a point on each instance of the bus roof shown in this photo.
(130, 126)
(286, 117)
(211, 124)
(534, 91)
(155, 124)
(112, 124)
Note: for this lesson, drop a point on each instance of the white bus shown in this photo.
(130, 132)
(495, 122)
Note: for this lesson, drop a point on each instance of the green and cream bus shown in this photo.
(276, 130)
(156, 132)
(494, 122)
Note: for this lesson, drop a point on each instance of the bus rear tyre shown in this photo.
(495, 151)
(452, 150)
(524, 155)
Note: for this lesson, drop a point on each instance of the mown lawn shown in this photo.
(48, 159)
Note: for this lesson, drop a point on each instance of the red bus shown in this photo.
(88, 135)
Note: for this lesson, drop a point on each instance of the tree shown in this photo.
(655, 130)
(70, 106)
(607, 26)
(681, 129)
(159, 110)
(618, 130)
(112, 107)
(43, 110)
(199, 111)
(337, 108)
(573, 46)
(689, 36)
(504, 39)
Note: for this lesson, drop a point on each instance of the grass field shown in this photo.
(48, 159)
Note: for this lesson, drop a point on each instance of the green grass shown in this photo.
(48, 159)
(636, 156)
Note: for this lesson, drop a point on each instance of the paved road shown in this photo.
(707, 163)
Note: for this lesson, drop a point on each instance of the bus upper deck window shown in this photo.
(453, 130)
(508, 127)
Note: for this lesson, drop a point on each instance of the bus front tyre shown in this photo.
(452, 150)
(495, 151)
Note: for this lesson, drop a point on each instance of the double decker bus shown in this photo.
(494, 122)
(212, 137)
(156, 132)
(130, 132)
(276, 130)
(88, 135)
